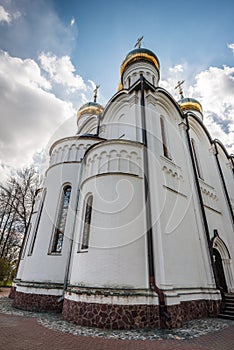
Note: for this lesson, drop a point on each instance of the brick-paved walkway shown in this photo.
(4, 292)
(22, 333)
(25, 333)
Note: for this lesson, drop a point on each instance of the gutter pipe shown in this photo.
(163, 313)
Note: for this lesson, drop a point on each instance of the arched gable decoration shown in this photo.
(221, 145)
(162, 91)
(194, 117)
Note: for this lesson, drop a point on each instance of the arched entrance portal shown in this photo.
(223, 266)
(219, 270)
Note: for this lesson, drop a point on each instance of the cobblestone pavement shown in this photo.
(23, 330)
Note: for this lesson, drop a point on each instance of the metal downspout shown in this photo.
(163, 313)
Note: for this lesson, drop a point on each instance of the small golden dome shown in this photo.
(90, 108)
(190, 103)
(139, 54)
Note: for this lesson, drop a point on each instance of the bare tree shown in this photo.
(16, 206)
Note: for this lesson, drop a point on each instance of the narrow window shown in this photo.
(129, 82)
(34, 235)
(26, 241)
(87, 221)
(164, 138)
(61, 221)
(199, 173)
(153, 80)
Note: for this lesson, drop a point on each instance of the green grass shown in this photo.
(5, 284)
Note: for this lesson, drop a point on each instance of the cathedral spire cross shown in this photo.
(95, 93)
(138, 43)
(178, 86)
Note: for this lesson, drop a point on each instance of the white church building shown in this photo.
(134, 224)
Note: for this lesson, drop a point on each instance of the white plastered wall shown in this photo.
(116, 257)
(181, 254)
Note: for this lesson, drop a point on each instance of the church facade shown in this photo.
(134, 224)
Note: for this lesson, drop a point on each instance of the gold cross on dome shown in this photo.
(95, 93)
(178, 86)
(138, 43)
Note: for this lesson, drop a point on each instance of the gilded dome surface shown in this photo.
(90, 108)
(140, 54)
(190, 103)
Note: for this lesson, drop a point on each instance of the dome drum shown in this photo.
(86, 115)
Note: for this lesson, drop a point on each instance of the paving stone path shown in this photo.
(22, 330)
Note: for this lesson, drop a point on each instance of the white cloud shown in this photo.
(61, 71)
(214, 89)
(30, 115)
(25, 72)
(72, 21)
(231, 46)
(172, 76)
(8, 17)
(4, 15)
(177, 68)
(39, 29)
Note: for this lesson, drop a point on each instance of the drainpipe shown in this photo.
(223, 181)
(204, 219)
(98, 125)
(232, 161)
(68, 264)
(163, 313)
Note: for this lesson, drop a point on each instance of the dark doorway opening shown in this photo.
(220, 271)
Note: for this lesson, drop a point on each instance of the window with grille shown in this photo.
(61, 221)
(87, 222)
(164, 138)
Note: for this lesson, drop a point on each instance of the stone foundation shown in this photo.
(37, 302)
(136, 316)
(12, 293)
(111, 316)
(193, 309)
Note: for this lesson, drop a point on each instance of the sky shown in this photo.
(53, 52)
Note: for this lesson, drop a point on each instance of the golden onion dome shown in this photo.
(139, 54)
(190, 103)
(90, 108)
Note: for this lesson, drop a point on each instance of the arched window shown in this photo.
(196, 159)
(37, 222)
(164, 138)
(87, 222)
(61, 221)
